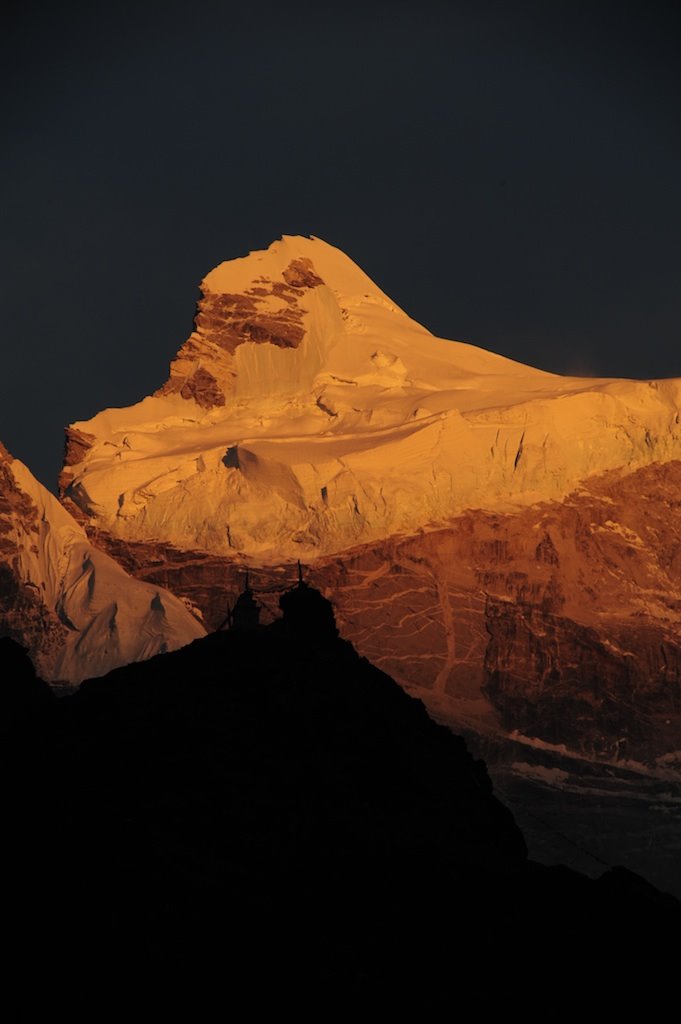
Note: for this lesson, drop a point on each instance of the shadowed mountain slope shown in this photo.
(266, 803)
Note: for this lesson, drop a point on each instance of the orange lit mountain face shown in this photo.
(560, 621)
(307, 414)
(503, 541)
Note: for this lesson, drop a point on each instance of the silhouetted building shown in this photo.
(246, 613)
(307, 611)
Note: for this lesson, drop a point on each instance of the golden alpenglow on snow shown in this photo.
(76, 610)
(307, 413)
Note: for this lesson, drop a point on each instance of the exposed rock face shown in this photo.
(203, 388)
(266, 312)
(75, 610)
(561, 622)
(78, 443)
(24, 615)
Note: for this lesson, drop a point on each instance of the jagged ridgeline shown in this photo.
(268, 804)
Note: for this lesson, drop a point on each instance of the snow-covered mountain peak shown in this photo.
(307, 412)
(300, 263)
(269, 323)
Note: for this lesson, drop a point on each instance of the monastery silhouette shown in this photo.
(304, 610)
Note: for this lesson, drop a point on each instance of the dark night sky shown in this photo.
(508, 173)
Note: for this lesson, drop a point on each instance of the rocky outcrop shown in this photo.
(203, 388)
(552, 678)
(25, 617)
(77, 445)
(561, 622)
(267, 311)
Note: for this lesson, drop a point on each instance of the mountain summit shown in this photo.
(307, 413)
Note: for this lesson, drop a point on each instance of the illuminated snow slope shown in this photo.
(307, 413)
(79, 613)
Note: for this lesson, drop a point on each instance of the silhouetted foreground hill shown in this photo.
(266, 804)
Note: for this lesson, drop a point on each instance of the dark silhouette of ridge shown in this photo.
(21, 692)
(266, 804)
